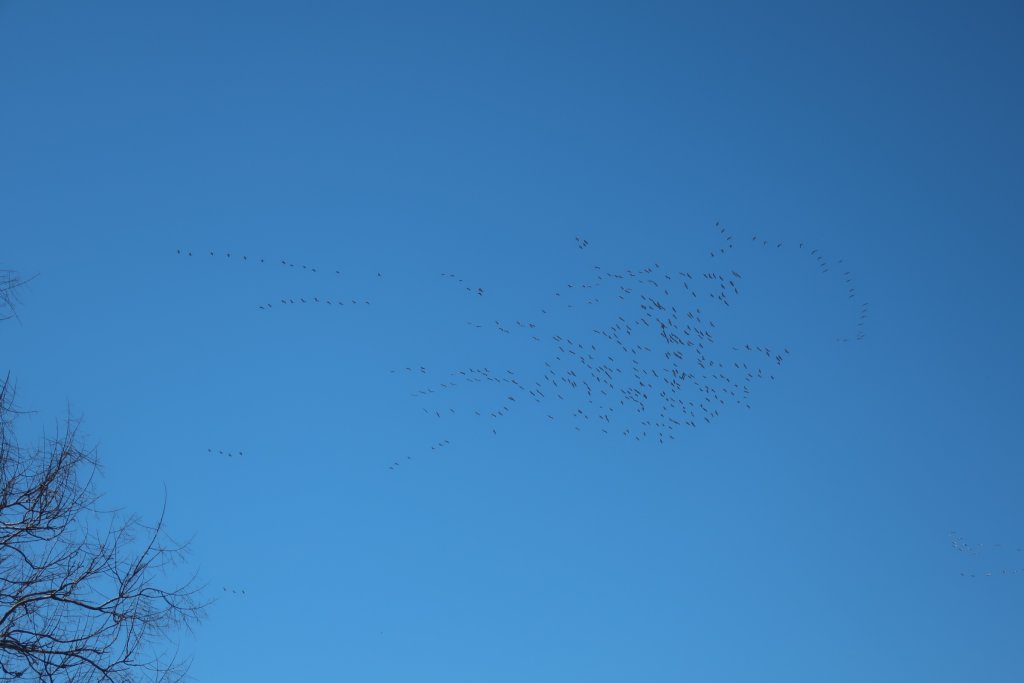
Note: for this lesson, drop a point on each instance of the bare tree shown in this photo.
(87, 595)
(10, 283)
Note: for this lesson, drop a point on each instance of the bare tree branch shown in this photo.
(10, 284)
(83, 592)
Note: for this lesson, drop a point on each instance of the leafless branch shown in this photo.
(10, 284)
(84, 593)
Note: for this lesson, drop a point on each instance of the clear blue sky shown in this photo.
(804, 539)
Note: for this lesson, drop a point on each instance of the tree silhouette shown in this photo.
(86, 594)
(10, 283)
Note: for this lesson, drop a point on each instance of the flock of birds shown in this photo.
(230, 454)
(335, 302)
(188, 253)
(981, 551)
(823, 265)
(479, 291)
(646, 361)
(658, 364)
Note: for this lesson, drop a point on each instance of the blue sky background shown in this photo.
(804, 539)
